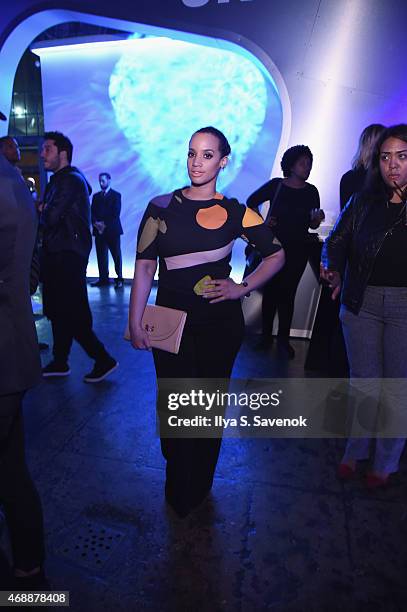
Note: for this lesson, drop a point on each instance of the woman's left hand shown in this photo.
(317, 214)
(333, 279)
(222, 289)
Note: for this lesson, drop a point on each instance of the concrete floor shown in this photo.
(279, 531)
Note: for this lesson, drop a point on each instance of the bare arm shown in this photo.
(227, 289)
(141, 287)
(265, 270)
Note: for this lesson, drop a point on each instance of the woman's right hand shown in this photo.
(333, 279)
(139, 338)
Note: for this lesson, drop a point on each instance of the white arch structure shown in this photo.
(26, 31)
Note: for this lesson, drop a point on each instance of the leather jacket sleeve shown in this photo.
(66, 216)
(62, 200)
(336, 247)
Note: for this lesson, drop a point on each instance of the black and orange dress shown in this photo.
(193, 240)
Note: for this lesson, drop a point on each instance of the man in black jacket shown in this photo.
(107, 229)
(66, 245)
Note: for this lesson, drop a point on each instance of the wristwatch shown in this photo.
(245, 284)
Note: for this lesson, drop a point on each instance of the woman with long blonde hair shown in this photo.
(353, 180)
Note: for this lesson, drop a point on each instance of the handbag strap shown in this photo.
(273, 201)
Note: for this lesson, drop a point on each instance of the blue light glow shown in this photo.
(143, 98)
(162, 90)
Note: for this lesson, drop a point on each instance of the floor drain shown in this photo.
(91, 544)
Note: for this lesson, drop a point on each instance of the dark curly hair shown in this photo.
(375, 187)
(224, 146)
(292, 155)
(62, 143)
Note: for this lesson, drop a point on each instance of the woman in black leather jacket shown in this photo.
(366, 255)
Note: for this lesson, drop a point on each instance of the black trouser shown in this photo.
(279, 293)
(207, 352)
(104, 244)
(18, 494)
(66, 304)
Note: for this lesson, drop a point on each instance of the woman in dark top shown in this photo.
(353, 180)
(294, 207)
(367, 249)
(191, 232)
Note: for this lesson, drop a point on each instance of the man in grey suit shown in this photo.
(19, 370)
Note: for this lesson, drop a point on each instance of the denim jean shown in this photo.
(376, 344)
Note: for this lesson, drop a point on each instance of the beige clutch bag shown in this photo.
(164, 327)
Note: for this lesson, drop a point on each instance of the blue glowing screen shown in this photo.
(130, 107)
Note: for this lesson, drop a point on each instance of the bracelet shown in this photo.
(245, 284)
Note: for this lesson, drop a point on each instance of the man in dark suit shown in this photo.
(20, 369)
(107, 229)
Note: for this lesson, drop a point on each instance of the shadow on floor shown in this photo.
(278, 532)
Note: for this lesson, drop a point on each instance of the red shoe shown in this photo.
(375, 482)
(345, 472)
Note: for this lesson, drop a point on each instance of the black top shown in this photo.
(291, 209)
(193, 239)
(390, 264)
(351, 182)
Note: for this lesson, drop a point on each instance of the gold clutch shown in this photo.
(164, 327)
